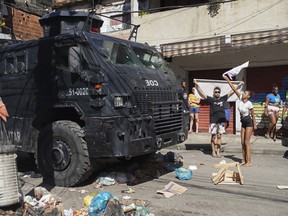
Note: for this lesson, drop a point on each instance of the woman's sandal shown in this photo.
(267, 136)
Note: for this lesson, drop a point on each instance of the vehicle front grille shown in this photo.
(167, 117)
(145, 96)
(162, 105)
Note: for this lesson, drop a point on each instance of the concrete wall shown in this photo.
(235, 17)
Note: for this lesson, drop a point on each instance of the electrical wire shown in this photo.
(247, 18)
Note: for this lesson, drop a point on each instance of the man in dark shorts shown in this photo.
(217, 115)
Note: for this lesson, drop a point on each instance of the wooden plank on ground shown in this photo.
(282, 187)
(220, 175)
(240, 174)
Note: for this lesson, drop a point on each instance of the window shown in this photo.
(16, 64)
(9, 65)
(115, 52)
(150, 58)
(60, 57)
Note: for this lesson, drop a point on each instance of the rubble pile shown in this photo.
(104, 203)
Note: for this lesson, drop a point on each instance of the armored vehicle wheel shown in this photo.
(62, 154)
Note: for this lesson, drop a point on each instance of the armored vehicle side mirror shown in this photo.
(74, 60)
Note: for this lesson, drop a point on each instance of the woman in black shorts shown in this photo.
(246, 111)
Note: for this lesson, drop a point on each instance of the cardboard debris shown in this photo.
(225, 176)
(172, 189)
(282, 187)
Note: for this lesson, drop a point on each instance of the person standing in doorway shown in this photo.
(194, 107)
(183, 95)
(217, 115)
(247, 116)
(271, 110)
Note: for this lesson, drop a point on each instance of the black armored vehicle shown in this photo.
(76, 95)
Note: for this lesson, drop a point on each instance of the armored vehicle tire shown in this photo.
(62, 154)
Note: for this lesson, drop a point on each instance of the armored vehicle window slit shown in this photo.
(9, 65)
(115, 52)
(21, 64)
(16, 64)
(60, 57)
(150, 58)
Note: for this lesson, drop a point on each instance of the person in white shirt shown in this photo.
(246, 111)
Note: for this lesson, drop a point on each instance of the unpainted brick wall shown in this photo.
(26, 26)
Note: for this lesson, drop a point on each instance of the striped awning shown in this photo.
(216, 44)
(259, 38)
(191, 47)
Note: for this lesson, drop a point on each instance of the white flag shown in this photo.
(208, 86)
(234, 71)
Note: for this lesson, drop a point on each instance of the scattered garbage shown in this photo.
(222, 162)
(104, 203)
(126, 197)
(192, 167)
(68, 212)
(128, 191)
(88, 198)
(173, 157)
(136, 207)
(172, 161)
(98, 203)
(183, 173)
(170, 167)
(42, 203)
(172, 189)
(113, 208)
(31, 174)
(107, 179)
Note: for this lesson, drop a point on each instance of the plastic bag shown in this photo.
(98, 203)
(88, 198)
(106, 181)
(183, 173)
